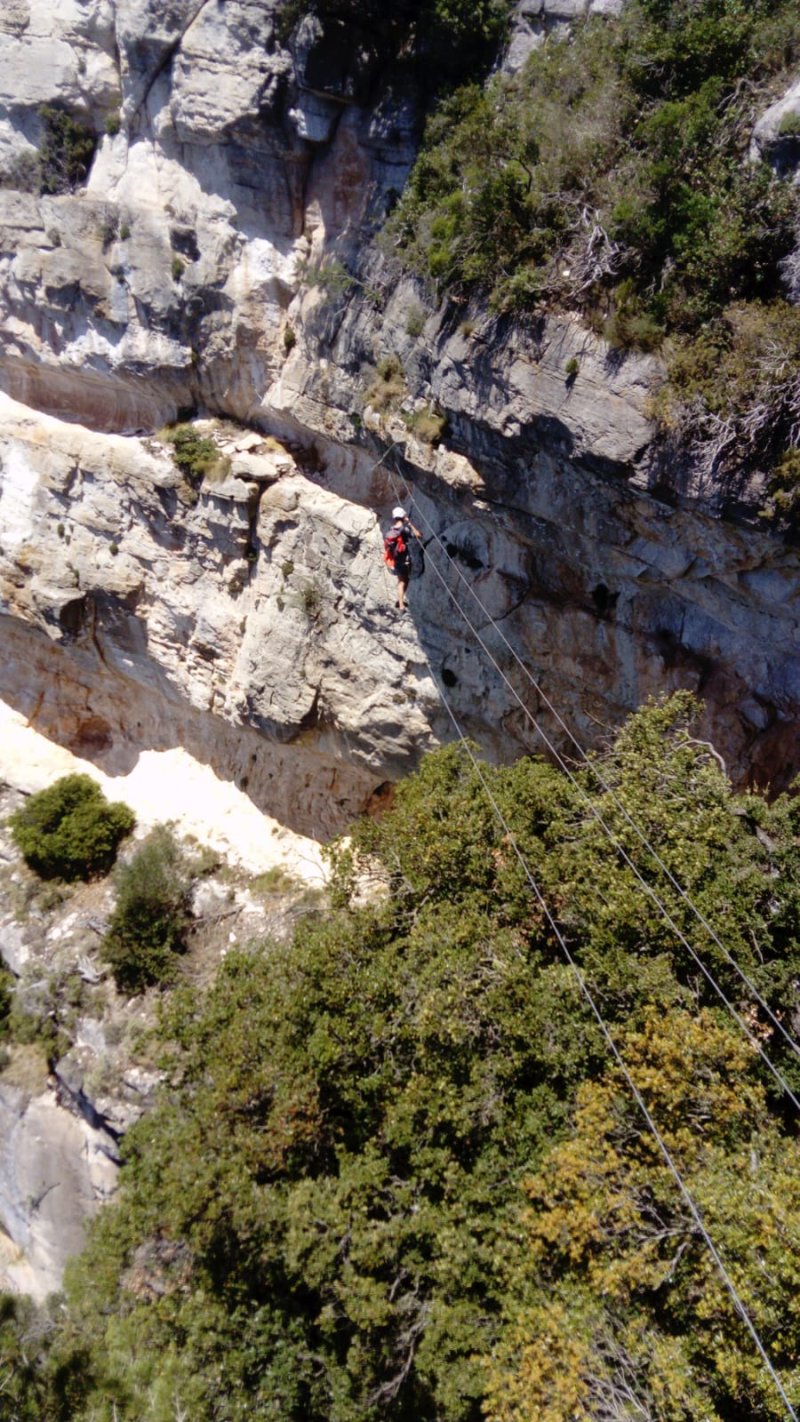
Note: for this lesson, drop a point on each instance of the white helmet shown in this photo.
(398, 513)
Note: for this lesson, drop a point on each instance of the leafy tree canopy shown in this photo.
(392, 1159)
(147, 927)
(70, 831)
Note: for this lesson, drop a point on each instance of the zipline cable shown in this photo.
(649, 890)
(592, 766)
(585, 990)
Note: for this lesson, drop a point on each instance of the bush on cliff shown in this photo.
(613, 169)
(443, 39)
(70, 831)
(66, 151)
(148, 925)
(327, 1218)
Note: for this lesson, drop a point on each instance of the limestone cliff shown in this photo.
(240, 166)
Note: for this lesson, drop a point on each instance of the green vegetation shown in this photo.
(177, 268)
(62, 162)
(732, 393)
(415, 321)
(611, 176)
(388, 385)
(148, 925)
(70, 831)
(196, 455)
(428, 424)
(311, 599)
(66, 151)
(785, 491)
(604, 1291)
(393, 1174)
(612, 169)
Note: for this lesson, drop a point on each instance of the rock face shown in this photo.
(248, 625)
(54, 1171)
(220, 257)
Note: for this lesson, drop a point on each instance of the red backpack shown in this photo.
(394, 546)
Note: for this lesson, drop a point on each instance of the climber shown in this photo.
(397, 552)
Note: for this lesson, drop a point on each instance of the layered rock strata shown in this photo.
(220, 256)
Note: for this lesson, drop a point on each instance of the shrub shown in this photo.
(572, 367)
(732, 389)
(66, 151)
(196, 455)
(124, 232)
(507, 176)
(415, 321)
(147, 928)
(108, 231)
(785, 491)
(178, 268)
(311, 600)
(428, 424)
(113, 123)
(627, 330)
(289, 339)
(23, 174)
(388, 387)
(70, 831)
(333, 278)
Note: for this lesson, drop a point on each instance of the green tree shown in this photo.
(616, 1306)
(66, 150)
(148, 925)
(70, 831)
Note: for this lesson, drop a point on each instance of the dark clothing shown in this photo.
(402, 560)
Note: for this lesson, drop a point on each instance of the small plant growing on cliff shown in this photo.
(428, 424)
(22, 174)
(66, 151)
(148, 926)
(178, 268)
(70, 831)
(311, 600)
(333, 278)
(571, 368)
(415, 321)
(388, 387)
(108, 232)
(289, 339)
(113, 123)
(196, 455)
